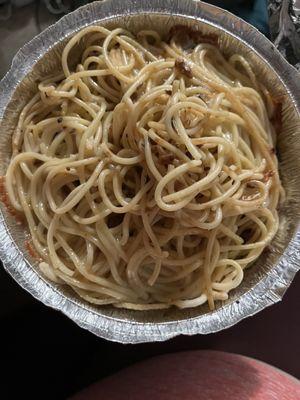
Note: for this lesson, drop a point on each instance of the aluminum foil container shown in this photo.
(267, 280)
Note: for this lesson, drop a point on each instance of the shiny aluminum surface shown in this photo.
(284, 21)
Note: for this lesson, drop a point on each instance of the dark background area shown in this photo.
(44, 355)
(47, 356)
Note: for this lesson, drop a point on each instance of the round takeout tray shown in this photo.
(266, 281)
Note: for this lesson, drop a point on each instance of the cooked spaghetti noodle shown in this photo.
(146, 171)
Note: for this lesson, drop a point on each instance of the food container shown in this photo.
(266, 281)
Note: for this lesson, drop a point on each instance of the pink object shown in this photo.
(196, 375)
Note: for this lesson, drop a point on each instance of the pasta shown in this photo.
(146, 170)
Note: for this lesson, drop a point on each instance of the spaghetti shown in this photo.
(146, 170)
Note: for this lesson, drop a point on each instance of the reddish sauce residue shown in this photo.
(272, 150)
(18, 217)
(5, 200)
(31, 250)
(198, 37)
(277, 114)
(267, 250)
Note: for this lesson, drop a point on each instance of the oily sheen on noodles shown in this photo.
(146, 172)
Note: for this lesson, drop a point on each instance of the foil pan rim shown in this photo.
(266, 292)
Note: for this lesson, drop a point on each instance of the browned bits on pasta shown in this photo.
(167, 158)
(183, 68)
(268, 175)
